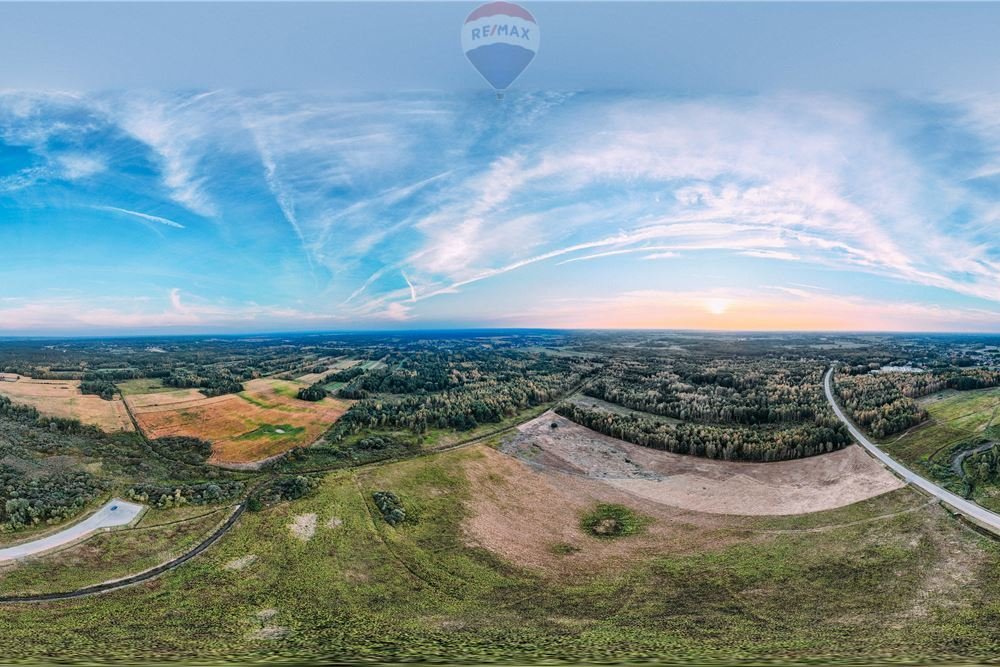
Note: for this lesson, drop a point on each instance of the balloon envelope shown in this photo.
(500, 39)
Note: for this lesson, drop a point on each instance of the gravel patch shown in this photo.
(303, 527)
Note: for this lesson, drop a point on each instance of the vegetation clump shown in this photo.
(165, 495)
(182, 448)
(281, 489)
(313, 393)
(28, 501)
(389, 504)
(100, 386)
(609, 521)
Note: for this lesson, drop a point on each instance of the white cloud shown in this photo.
(142, 216)
(175, 129)
(74, 166)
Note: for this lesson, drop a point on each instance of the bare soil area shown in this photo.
(303, 527)
(531, 517)
(807, 485)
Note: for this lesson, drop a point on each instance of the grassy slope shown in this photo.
(874, 587)
(956, 418)
(108, 556)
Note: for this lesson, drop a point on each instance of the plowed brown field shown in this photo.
(264, 420)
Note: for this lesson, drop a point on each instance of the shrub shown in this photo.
(390, 506)
(609, 521)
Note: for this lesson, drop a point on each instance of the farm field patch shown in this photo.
(263, 420)
(142, 386)
(63, 399)
(954, 417)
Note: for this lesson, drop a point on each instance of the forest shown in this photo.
(735, 443)
(457, 390)
(50, 469)
(885, 403)
(734, 391)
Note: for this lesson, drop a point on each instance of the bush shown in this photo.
(389, 504)
(163, 495)
(182, 448)
(312, 393)
(609, 521)
(284, 488)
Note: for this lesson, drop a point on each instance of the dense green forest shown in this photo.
(736, 391)
(456, 389)
(51, 468)
(737, 443)
(885, 403)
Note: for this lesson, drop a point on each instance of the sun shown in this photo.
(717, 306)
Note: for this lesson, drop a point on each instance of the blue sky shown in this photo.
(202, 208)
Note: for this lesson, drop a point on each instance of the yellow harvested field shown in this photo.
(162, 398)
(62, 398)
(264, 420)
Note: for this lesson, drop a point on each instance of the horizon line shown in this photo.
(425, 330)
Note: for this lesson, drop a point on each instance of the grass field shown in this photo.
(110, 555)
(263, 420)
(62, 398)
(142, 386)
(953, 418)
(338, 365)
(890, 576)
(958, 421)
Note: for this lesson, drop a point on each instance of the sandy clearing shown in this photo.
(63, 399)
(270, 632)
(807, 485)
(335, 522)
(303, 527)
(242, 563)
(531, 517)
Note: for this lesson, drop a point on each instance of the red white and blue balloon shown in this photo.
(500, 39)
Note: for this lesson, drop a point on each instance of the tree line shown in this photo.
(736, 443)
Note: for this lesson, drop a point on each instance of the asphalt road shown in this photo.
(136, 578)
(113, 514)
(970, 510)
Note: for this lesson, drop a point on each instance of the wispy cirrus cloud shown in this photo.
(411, 208)
(142, 216)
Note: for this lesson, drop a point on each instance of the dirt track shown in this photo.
(703, 485)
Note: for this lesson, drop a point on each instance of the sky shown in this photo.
(678, 166)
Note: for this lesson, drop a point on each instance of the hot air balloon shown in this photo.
(500, 39)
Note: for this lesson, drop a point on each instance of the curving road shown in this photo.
(135, 578)
(979, 515)
(114, 514)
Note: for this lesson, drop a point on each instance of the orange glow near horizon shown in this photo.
(756, 312)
